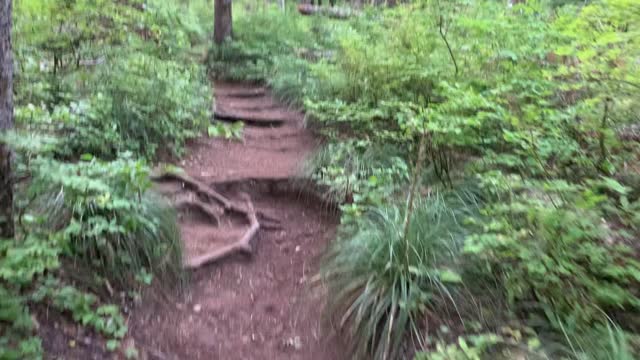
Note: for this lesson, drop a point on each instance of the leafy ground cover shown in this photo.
(103, 89)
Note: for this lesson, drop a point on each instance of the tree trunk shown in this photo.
(223, 21)
(6, 120)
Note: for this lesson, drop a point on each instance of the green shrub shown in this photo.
(358, 174)
(16, 340)
(602, 343)
(483, 346)
(98, 216)
(548, 244)
(84, 308)
(178, 30)
(381, 283)
(96, 78)
(144, 105)
(112, 224)
(259, 37)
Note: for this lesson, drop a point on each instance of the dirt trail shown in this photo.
(262, 306)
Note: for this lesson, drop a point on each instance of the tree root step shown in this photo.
(253, 120)
(242, 93)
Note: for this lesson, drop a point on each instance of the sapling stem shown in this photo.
(412, 191)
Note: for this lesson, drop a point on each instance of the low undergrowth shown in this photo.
(102, 89)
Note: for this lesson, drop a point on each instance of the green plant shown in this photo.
(17, 340)
(95, 79)
(378, 294)
(358, 173)
(260, 37)
(112, 77)
(548, 244)
(84, 309)
(607, 343)
(487, 346)
(226, 131)
(99, 214)
(470, 348)
(145, 105)
(112, 224)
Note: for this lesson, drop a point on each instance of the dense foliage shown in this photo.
(530, 110)
(102, 89)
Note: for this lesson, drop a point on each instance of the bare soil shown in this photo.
(267, 305)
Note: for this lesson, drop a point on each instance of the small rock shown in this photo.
(297, 344)
(197, 308)
(294, 342)
(297, 248)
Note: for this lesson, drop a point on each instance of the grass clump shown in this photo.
(384, 285)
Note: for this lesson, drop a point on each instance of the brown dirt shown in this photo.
(264, 306)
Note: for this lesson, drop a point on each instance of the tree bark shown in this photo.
(223, 22)
(6, 120)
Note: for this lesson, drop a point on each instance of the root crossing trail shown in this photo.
(265, 305)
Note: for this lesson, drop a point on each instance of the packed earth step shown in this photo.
(267, 117)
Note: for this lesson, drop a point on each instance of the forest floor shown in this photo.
(266, 305)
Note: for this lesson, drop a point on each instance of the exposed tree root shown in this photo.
(266, 218)
(255, 107)
(206, 194)
(205, 209)
(198, 187)
(206, 191)
(243, 245)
